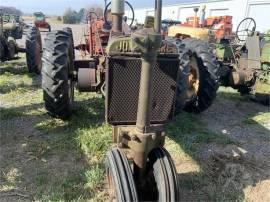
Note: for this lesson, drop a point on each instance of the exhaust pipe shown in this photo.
(118, 10)
(158, 14)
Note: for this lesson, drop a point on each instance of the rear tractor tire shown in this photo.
(201, 78)
(3, 49)
(12, 49)
(57, 80)
(34, 50)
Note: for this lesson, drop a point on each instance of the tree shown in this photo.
(81, 15)
(70, 16)
(10, 10)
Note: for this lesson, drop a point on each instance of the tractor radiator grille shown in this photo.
(122, 89)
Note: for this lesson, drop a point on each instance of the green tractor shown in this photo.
(245, 66)
(146, 80)
(11, 29)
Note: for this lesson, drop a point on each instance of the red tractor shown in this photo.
(40, 21)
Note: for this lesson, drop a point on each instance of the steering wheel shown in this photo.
(107, 8)
(245, 28)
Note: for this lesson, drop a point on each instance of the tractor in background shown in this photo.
(243, 56)
(40, 21)
(245, 65)
(10, 30)
(15, 24)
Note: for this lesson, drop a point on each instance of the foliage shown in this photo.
(70, 16)
(10, 10)
(73, 17)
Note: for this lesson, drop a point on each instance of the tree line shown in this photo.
(71, 16)
(10, 10)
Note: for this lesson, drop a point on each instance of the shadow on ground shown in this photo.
(53, 159)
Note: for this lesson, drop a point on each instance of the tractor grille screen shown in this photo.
(123, 83)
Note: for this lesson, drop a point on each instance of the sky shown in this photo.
(57, 7)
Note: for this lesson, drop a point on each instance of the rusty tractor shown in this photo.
(144, 79)
(40, 21)
(243, 57)
(9, 32)
(245, 65)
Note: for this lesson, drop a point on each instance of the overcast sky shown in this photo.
(57, 7)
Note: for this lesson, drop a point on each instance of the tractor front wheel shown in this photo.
(57, 80)
(120, 178)
(162, 173)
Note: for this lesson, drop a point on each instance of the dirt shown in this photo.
(242, 168)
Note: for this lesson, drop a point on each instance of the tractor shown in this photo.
(145, 79)
(245, 65)
(243, 57)
(16, 23)
(40, 21)
(9, 32)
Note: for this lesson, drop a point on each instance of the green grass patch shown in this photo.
(231, 94)
(94, 178)
(260, 118)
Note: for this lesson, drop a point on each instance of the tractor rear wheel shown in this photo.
(34, 50)
(11, 49)
(120, 178)
(2, 49)
(161, 169)
(57, 80)
(202, 77)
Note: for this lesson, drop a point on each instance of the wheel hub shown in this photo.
(194, 78)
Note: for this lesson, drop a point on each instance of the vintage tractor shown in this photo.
(245, 65)
(40, 21)
(142, 77)
(9, 32)
(15, 24)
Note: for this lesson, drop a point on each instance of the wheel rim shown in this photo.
(193, 78)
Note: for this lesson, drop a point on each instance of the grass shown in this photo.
(260, 118)
(231, 94)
